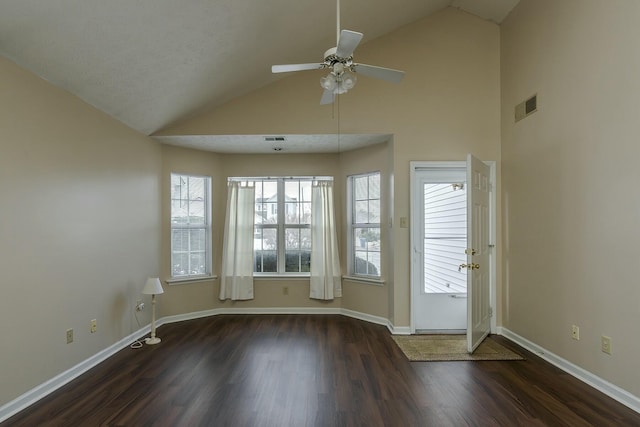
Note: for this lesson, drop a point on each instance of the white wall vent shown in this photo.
(526, 108)
(274, 138)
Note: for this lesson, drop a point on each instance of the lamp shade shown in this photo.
(152, 287)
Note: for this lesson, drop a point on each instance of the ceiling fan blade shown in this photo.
(393, 76)
(347, 43)
(295, 67)
(327, 97)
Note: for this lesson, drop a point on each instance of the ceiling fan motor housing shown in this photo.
(336, 63)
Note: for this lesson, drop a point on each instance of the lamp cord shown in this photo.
(137, 343)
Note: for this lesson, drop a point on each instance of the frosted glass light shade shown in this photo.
(348, 80)
(339, 83)
(329, 82)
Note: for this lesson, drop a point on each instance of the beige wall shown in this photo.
(569, 175)
(447, 105)
(268, 293)
(357, 295)
(79, 229)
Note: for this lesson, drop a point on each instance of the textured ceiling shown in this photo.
(149, 63)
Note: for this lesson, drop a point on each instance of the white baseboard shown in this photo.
(399, 330)
(32, 396)
(611, 390)
(258, 310)
(48, 387)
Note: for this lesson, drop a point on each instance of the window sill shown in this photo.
(367, 280)
(174, 281)
(282, 277)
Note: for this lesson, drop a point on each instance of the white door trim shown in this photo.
(414, 167)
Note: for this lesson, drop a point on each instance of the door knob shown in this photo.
(472, 266)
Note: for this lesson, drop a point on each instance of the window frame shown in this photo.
(207, 227)
(281, 226)
(352, 225)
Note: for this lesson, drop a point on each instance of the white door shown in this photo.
(440, 241)
(478, 253)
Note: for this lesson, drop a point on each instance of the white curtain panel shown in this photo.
(326, 282)
(237, 257)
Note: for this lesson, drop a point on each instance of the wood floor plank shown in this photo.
(313, 370)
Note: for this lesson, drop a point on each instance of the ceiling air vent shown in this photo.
(526, 108)
(274, 138)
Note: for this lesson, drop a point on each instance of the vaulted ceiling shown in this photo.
(149, 63)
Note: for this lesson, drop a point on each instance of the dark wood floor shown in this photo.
(316, 370)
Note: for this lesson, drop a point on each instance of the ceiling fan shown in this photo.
(339, 60)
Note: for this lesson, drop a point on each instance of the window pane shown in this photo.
(271, 213)
(265, 253)
(305, 261)
(266, 261)
(292, 261)
(360, 187)
(292, 238)
(361, 262)
(179, 212)
(266, 202)
(179, 187)
(305, 238)
(196, 212)
(361, 212)
(374, 186)
(269, 238)
(305, 212)
(196, 188)
(270, 261)
(198, 239)
(367, 238)
(179, 264)
(179, 240)
(374, 212)
(197, 265)
(305, 191)
(260, 213)
(291, 191)
(270, 190)
(291, 213)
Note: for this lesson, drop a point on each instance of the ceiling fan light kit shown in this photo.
(339, 60)
(338, 83)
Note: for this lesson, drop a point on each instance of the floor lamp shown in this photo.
(153, 287)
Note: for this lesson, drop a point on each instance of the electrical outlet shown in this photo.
(69, 336)
(575, 332)
(94, 326)
(285, 290)
(606, 344)
(139, 305)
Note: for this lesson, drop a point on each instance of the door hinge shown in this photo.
(490, 311)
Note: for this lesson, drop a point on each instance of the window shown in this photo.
(364, 235)
(190, 226)
(282, 232)
(282, 238)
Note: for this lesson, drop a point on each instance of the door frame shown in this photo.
(416, 166)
